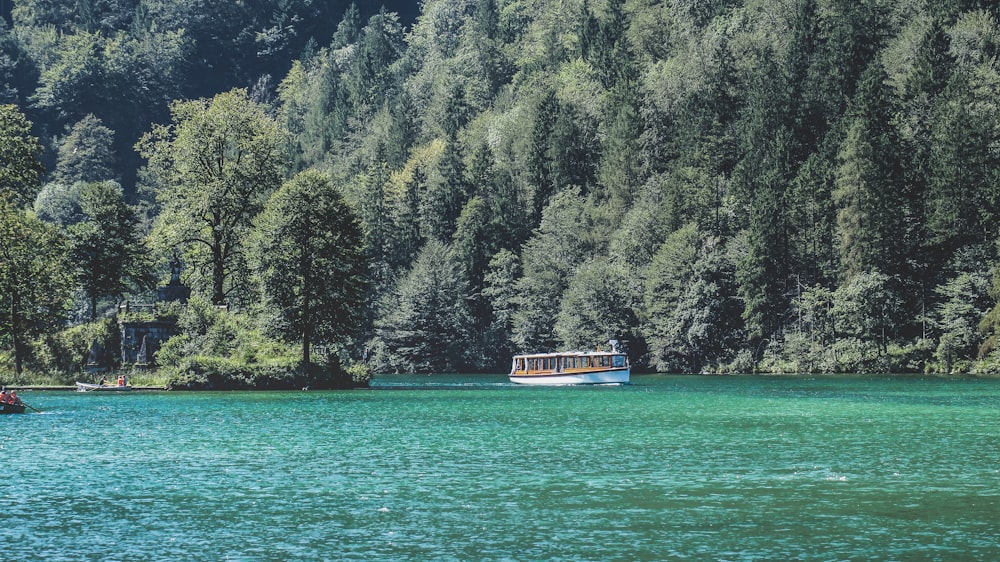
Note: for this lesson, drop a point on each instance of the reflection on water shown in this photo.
(724, 468)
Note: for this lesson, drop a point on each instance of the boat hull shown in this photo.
(87, 387)
(11, 408)
(616, 376)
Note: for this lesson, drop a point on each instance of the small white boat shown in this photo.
(571, 367)
(87, 387)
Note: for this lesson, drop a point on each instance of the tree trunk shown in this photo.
(305, 348)
(306, 329)
(306, 295)
(218, 275)
(15, 333)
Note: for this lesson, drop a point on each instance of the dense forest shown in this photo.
(725, 186)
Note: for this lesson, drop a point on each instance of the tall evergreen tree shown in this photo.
(537, 167)
(371, 75)
(446, 193)
(22, 170)
(426, 321)
(86, 155)
(963, 200)
(366, 192)
(761, 181)
(876, 208)
(500, 291)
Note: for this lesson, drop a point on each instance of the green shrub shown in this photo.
(360, 373)
(64, 354)
(220, 350)
(283, 373)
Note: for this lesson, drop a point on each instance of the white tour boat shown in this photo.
(571, 367)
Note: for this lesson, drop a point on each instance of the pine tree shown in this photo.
(426, 321)
(19, 151)
(86, 155)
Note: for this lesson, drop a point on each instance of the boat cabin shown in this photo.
(568, 362)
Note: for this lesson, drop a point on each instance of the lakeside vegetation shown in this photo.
(727, 186)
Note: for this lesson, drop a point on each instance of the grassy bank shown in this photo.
(152, 378)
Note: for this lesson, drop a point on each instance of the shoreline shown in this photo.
(30, 388)
(164, 388)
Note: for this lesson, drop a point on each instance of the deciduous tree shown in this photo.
(35, 280)
(309, 258)
(106, 246)
(219, 159)
(597, 306)
(563, 242)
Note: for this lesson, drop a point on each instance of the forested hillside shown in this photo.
(123, 61)
(725, 186)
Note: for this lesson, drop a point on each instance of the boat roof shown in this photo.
(569, 354)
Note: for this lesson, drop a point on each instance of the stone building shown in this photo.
(141, 339)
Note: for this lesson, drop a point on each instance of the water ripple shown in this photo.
(667, 468)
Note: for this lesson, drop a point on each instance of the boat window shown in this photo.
(605, 361)
(520, 364)
(618, 361)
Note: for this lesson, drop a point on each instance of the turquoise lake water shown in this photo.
(471, 468)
